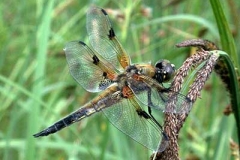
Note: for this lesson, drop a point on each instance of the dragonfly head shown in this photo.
(164, 71)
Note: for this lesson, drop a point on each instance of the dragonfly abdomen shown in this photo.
(70, 119)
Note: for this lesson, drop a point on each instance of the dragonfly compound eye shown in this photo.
(164, 71)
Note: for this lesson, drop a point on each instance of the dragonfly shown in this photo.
(128, 92)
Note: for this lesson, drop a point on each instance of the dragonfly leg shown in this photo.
(150, 111)
(150, 114)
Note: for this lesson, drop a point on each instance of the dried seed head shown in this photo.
(198, 84)
(200, 43)
(201, 78)
(183, 71)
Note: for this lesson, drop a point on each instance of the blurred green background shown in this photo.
(36, 88)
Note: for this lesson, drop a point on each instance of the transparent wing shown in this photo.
(87, 68)
(124, 116)
(154, 95)
(103, 39)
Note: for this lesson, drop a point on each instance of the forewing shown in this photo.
(123, 115)
(154, 95)
(86, 67)
(103, 39)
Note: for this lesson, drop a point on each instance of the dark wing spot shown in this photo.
(104, 74)
(95, 60)
(111, 34)
(104, 12)
(143, 114)
(82, 43)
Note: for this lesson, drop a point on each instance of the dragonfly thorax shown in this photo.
(141, 69)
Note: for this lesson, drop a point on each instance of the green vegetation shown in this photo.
(36, 88)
